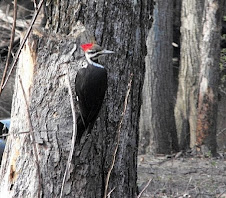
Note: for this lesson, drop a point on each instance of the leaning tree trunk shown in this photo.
(116, 25)
(187, 95)
(157, 124)
(209, 76)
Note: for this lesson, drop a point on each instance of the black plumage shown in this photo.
(90, 86)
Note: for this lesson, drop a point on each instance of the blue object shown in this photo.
(2, 147)
(6, 122)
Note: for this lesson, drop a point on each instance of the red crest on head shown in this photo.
(86, 46)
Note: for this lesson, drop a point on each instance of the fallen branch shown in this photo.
(222, 194)
(188, 185)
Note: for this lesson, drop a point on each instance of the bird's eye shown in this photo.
(92, 51)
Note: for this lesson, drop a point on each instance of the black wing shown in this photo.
(90, 86)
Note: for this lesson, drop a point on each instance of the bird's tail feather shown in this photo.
(81, 127)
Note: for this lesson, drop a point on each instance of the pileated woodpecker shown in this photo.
(90, 87)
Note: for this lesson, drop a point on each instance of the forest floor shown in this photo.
(182, 176)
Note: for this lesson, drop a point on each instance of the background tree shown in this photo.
(117, 25)
(209, 76)
(187, 95)
(195, 18)
(157, 123)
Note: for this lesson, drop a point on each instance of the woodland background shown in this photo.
(177, 103)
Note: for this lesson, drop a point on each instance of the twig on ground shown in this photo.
(118, 136)
(223, 193)
(74, 133)
(221, 131)
(145, 187)
(23, 42)
(32, 138)
(10, 45)
(188, 184)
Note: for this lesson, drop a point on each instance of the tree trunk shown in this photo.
(119, 26)
(6, 98)
(187, 95)
(157, 124)
(176, 43)
(209, 76)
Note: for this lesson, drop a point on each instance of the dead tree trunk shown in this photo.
(187, 95)
(209, 76)
(119, 26)
(157, 123)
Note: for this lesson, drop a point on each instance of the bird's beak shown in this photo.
(104, 51)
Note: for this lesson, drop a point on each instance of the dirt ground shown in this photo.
(171, 176)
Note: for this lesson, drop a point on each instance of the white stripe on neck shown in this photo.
(92, 62)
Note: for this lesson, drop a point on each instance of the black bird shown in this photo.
(90, 87)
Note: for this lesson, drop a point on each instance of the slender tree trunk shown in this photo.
(157, 124)
(209, 76)
(187, 95)
(176, 43)
(117, 25)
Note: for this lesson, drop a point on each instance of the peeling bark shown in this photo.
(187, 95)
(209, 76)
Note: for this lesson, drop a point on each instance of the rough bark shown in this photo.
(12, 168)
(209, 76)
(157, 124)
(187, 95)
(116, 25)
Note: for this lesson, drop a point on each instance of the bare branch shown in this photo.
(8, 19)
(74, 134)
(23, 41)
(118, 136)
(10, 45)
(35, 4)
(109, 194)
(32, 139)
